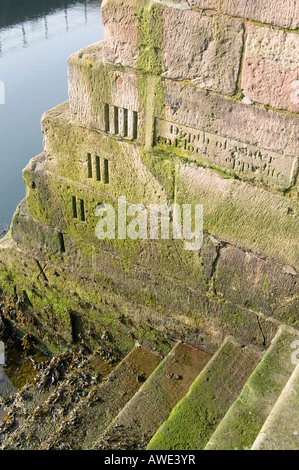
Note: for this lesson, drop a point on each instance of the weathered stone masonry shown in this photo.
(187, 102)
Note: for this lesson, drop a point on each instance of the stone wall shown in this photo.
(186, 102)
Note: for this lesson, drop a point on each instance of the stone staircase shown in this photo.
(239, 398)
(226, 410)
(280, 430)
(243, 421)
(143, 414)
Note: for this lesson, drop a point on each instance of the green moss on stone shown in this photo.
(194, 418)
(246, 416)
(150, 34)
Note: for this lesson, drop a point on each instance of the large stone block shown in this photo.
(121, 35)
(104, 98)
(36, 236)
(271, 68)
(241, 214)
(246, 141)
(279, 13)
(177, 43)
(259, 284)
(206, 50)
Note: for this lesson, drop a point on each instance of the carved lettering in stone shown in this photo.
(229, 155)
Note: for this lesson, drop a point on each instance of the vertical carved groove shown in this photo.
(98, 168)
(107, 118)
(89, 165)
(106, 171)
(82, 210)
(74, 204)
(116, 120)
(61, 242)
(135, 125)
(125, 130)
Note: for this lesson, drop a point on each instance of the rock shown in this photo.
(247, 100)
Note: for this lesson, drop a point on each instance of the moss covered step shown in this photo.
(243, 421)
(146, 411)
(195, 417)
(95, 412)
(281, 430)
(85, 372)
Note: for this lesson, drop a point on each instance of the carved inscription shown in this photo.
(230, 155)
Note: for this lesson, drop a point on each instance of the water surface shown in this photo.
(36, 39)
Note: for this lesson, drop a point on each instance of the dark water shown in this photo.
(19, 366)
(36, 39)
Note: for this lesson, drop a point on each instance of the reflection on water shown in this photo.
(21, 364)
(17, 369)
(33, 28)
(19, 11)
(36, 39)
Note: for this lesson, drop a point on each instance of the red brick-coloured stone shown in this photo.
(271, 84)
(271, 68)
(284, 13)
(175, 42)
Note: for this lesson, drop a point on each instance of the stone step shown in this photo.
(95, 412)
(194, 419)
(49, 415)
(281, 430)
(146, 411)
(243, 421)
